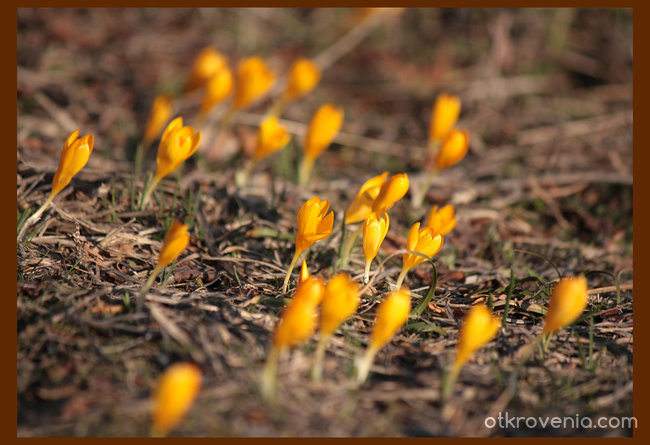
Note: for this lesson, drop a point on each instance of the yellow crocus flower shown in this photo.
(271, 137)
(374, 231)
(297, 323)
(568, 301)
(453, 149)
(175, 392)
(479, 327)
(361, 207)
(217, 89)
(314, 224)
(441, 220)
(303, 76)
(444, 115)
(177, 144)
(176, 240)
(424, 241)
(207, 63)
(161, 111)
(340, 300)
(390, 192)
(392, 313)
(254, 79)
(323, 126)
(74, 156)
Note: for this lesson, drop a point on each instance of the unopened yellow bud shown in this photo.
(392, 313)
(444, 116)
(390, 192)
(479, 327)
(298, 320)
(453, 149)
(161, 111)
(303, 76)
(271, 137)
(254, 79)
(324, 125)
(206, 64)
(74, 157)
(442, 220)
(341, 299)
(177, 144)
(176, 240)
(374, 232)
(568, 300)
(175, 392)
(218, 88)
(361, 207)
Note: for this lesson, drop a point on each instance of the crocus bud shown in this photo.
(323, 127)
(390, 192)
(254, 79)
(304, 272)
(177, 144)
(314, 223)
(442, 220)
(74, 157)
(340, 300)
(206, 64)
(271, 137)
(298, 320)
(444, 116)
(175, 392)
(479, 327)
(361, 207)
(303, 76)
(374, 232)
(453, 149)
(176, 240)
(217, 89)
(310, 289)
(568, 300)
(161, 111)
(392, 313)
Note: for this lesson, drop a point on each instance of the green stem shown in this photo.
(421, 307)
(366, 273)
(419, 194)
(317, 370)
(291, 266)
(33, 219)
(139, 156)
(304, 171)
(346, 250)
(449, 380)
(363, 367)
(241, 176)
(147, 193)
(270, 375)
(143, 292)
(401, 277)
(277, 108)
